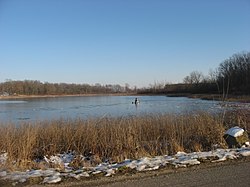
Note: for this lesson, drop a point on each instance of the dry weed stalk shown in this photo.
(111, 138)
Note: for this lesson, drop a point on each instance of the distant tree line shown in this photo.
(30, 87)
(231, 77)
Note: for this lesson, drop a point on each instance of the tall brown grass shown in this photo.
(111, 138)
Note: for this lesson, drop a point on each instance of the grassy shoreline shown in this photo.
(113, 138)
(230, 98)
(216, 97)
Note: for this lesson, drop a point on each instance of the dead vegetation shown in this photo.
(112, 138)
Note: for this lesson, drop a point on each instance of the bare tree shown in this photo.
(195, 77)
(234, 74)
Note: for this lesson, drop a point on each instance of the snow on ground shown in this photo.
(235, 131)
(55, 175)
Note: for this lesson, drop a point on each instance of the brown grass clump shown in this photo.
(238, 117)
(111, 138)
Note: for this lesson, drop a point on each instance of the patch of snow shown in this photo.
(84, 174)
(181, 159)
(3, 158)
(62, 160)
(235, 131)
(96, 172)
(188, 161)
(22, 180)
(52, 179)
(110, 172)
(244, 152)
(3, 173)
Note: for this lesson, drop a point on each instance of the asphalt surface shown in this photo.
(227, 175)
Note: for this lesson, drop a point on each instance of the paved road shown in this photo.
(226, 175)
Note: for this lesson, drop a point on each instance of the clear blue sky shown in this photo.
(138, 42)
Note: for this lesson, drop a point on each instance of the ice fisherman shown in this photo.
(136, 101)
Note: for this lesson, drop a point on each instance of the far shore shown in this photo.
(230, 98)
(216, 97)
(70, 95)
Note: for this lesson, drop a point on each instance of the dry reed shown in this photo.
(111, 138)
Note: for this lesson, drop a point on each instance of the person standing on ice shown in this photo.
(136, 101)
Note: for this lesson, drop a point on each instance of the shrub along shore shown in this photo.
(115, 138)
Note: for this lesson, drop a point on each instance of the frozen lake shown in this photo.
(100, 106)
